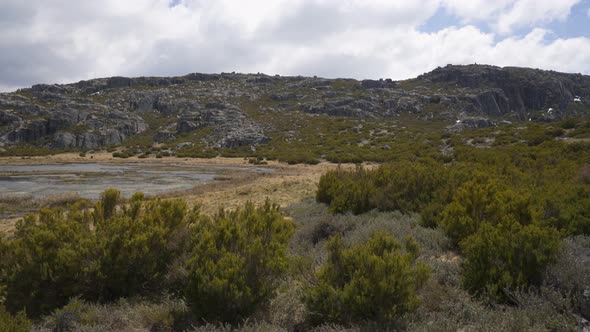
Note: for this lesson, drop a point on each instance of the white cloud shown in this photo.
(506, 15)
(62, 40)
(529, 12)
(588, 13)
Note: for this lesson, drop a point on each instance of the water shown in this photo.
(89, 180)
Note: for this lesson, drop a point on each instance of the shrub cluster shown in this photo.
(404, 186)
(231, 283)
(373, 281)
(14, 323)
(505, 209)
(507, 257)
(122, 248)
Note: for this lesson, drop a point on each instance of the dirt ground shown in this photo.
(284, 185)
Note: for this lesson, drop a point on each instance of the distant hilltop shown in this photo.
(225, 108)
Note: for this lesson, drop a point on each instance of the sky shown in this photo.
(61, 41)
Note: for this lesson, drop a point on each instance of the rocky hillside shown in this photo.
(232, 110)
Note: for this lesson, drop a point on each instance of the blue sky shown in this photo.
(59, 41)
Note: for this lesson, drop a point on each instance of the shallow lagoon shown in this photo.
(90, 179)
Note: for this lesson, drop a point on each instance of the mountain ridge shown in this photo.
(230, 110)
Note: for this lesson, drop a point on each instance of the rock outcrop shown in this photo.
(67, 123)
(230, 127)
(226, 110)
(511, 89)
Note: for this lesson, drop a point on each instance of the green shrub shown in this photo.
(569, 123)
(47, 261)
(567, 208)
(120, 155)
(403, 186)
(372, 281)
(236, 261)
(473, 204)
(10, 323)
(107, 204)
(104, 254)
(328, 185)
(137, 244)
(506, 257)
(408, 186)
(430, 214)
(482, 201)
(348, 191)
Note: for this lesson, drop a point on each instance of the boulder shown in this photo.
(378, 84)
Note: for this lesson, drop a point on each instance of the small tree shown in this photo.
(370, 281)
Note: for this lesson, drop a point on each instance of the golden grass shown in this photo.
(286, 184)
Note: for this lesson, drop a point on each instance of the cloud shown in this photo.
(504, 16)
(46, 41)
(529, 12)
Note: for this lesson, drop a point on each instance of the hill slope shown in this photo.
(209, 113)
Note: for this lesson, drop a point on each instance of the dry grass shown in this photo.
(14, 206)
(284, 185)
(7, 226)
(135, 315)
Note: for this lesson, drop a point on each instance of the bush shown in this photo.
(346, 191)
(105, 254)
(408, 186)
(236, 261)
(403, 186)
(567, 208)
(47, 261)
(482, 201)
(10, 323)
(140, 247)
(137, 245)
(473, 204)
(370, 281)
(569, 123)
(123, 155)
(430, 214)
(108, 203)
(507, 257)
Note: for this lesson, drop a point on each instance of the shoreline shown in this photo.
(284, 185)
